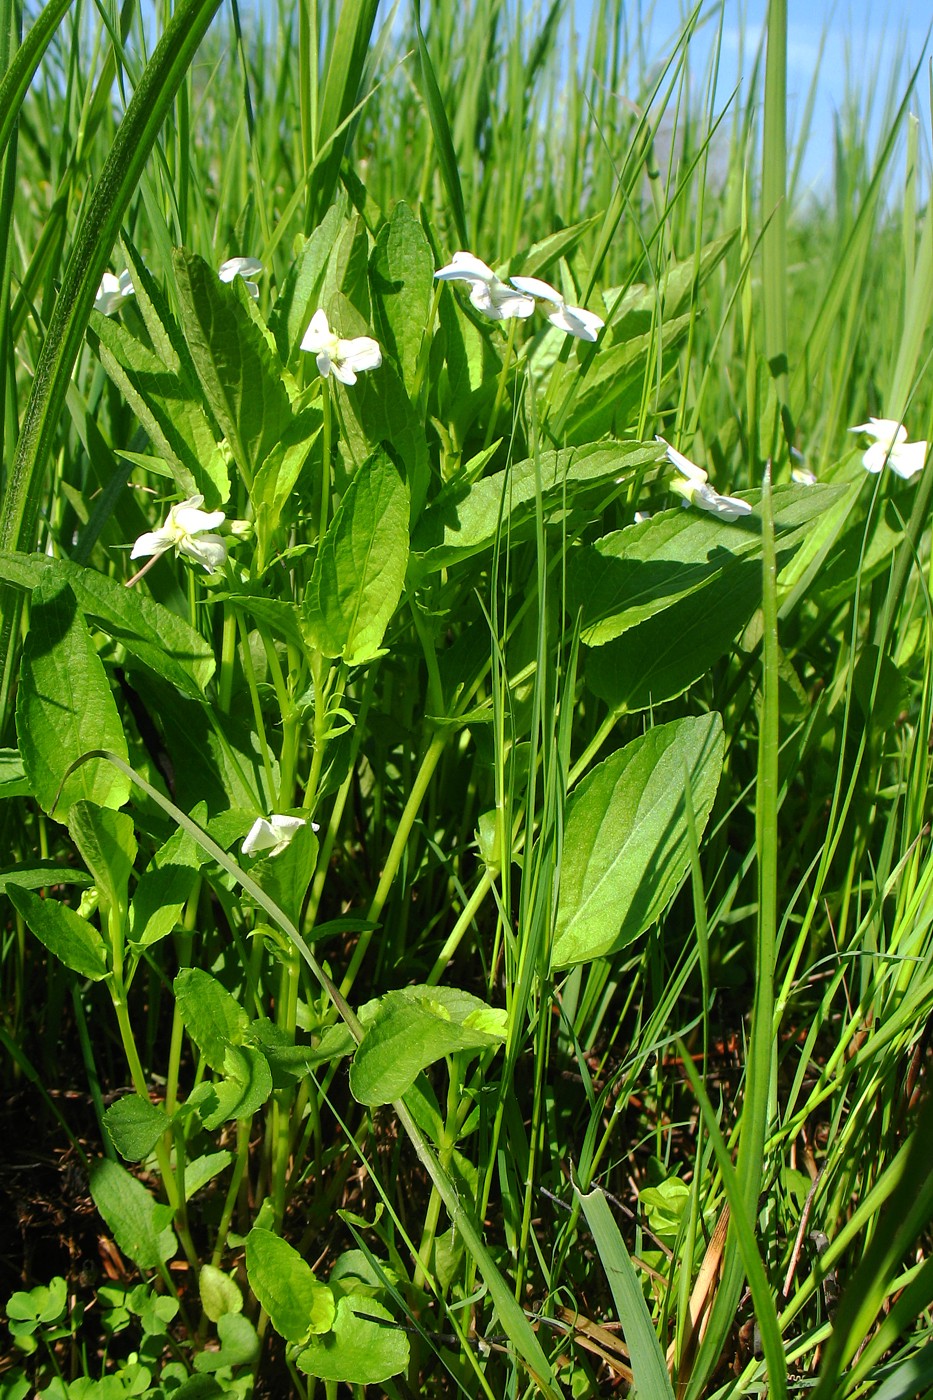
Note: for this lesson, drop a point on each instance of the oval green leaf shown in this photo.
(626, 840)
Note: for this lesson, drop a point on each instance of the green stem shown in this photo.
(461, 927)
(394, 860)
(233, 1190)
(500, 387)
(227, 660)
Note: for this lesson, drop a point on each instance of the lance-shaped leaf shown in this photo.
(240, 373)
(301, 291)
(627, 836)
(465, 519)
(634, 573)
(402, 276)
(150, 633)
(360, 567)
(64, 707)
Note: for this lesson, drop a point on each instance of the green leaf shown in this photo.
(243, 1090)
(360, 567)
(239, 1345)
(13, 780)
(135, 1126)
(360, 1349)
(379, 411)
(64, 707)
(402, 278)
(203, 1169)
(241, 376)
(161, 640)
(606, 397)
(107, 843)
(275, 479)
(465, 520)
(140, 1227)
(632, 574)
(41, 875)
(412, 1029)
(97, 232)
(174, 421)
(300, 296)
(71, 939)
(443, 140)
(212, 1017)
(297, 1304)
(344, 67)
(219, 1293)
(627, 837)
(649, 1369)
(164, 889)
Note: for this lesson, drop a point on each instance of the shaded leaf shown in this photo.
(626, 838)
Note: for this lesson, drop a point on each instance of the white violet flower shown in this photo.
(113, 291)
(572, 319)
(344, 359)
(696, 490)
(271, 837)
(247, 268)
(488, 294)
(891, 446)
(184, 531)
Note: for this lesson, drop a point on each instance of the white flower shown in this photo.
(183, 531)
(242, 267)
(344, 359)
(803, 476)
(696, 490)
(271, 837)
(113, 291)
(487, 293)
(572, 319)
(891, 446)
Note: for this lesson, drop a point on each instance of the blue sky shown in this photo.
(865, 45)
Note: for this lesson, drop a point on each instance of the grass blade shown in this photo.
(95, 238)
(648, 1365)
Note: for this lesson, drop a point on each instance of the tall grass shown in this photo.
(691, 1160)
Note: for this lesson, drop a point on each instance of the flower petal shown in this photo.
(907, 458)
(886, 430)
(683, 464)
(535, 287)
(155, 542)
(271, 836)
(575, 321)
(874, 458)
(192, 521)
(499, 302)
(360, 353)
(208, 550)
(465, 267)
(344, 372)
(239, 267)
(319, 335)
